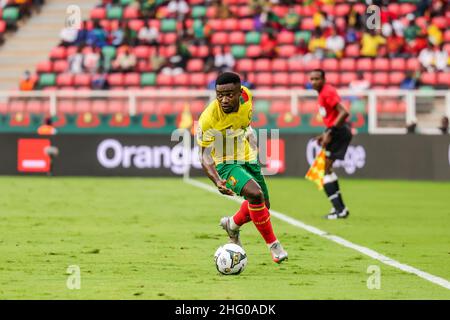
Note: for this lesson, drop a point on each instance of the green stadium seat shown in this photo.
(198, 12)
(114, 13)
(262, 106)
(305, 35)
(358, 106)
(125, 3)
(10, 14)
(47, 80)
(253, 37)
(109, 52)
(238, 52)
(169, 25)
(148, 79)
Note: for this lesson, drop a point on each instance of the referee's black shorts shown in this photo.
(340, 140)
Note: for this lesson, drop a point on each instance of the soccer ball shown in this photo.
(230, 259)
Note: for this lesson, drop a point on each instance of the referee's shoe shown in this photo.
(333, 215)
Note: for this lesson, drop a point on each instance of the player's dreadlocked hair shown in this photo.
(228, 77)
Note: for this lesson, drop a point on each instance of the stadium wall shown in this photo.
(421, 157)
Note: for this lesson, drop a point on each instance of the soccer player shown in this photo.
(335, 139)
(229, 158)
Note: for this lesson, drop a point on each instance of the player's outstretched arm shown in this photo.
(209, 167)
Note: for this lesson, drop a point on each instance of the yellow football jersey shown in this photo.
(226, 132)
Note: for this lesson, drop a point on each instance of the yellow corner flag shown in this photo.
(317, 170)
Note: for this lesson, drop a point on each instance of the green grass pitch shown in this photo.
(142, 238)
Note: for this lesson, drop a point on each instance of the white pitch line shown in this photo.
(366, 251)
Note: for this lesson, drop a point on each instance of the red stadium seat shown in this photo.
(198, 79)
(65, 79)
(307, 24)
(296, 65)
(60, 66)
(286, 37)
(413, 64)
(98, 13)
(82, 106)
(297, 78)
(142, 52)
(131, 12)
(330, 64)
(169, 38)
(35, 106)
(308, 106)
(398, 64)
(211, 12)
(364, 64)
(254, 51)
(281, 78)
(347, 77)
(231, 24)
(313, 64)
(332, 78)
(347, 64)
(220, 38)
(2, 26)
(440, 22)
(429, 78)
(443, 78)
(132, 79)
(264, 79)
(342, 10)
(381, 78)
(279, 65)
(116, 79)
(164, 80)
(396, 77)
(82, 79)
(262, 65)
(195, 65)
(136, 24)
(182, 80)
(246, 24)
(381, 64)
(237, 37)
(44, 67)
(245, 65)
(279, 106)
(58, 53)
(287, 51)
(352, 50)
(118, 106)
(99, 106)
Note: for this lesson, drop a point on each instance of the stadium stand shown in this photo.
(268, 42)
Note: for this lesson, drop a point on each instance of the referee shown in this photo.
(334, 140)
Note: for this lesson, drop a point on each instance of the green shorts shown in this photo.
(238, 174)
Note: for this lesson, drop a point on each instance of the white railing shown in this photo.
(371, 98)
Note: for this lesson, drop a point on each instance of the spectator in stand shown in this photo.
(209, 60)
(148, 35)
(222, 10)
(178, 9)
(413, 48)
(27, 83)
(82, 35)
(354, 19)
(76, 61)
(117, 37)
(92, 60)
(125, 62)
(351, 36)
(335, 45)
(157, 60)
(435, 35)
(269, 46)
(201, 31)
(224, 60)
(129, 36)
(411, 81)
(317, 44)
(182, 55)
(291, 20)
(426, 58)
(370, 44)
(395, 45)
(100, 81)
(444, 125)
(441, 58)
(97, 36)
(412, 31)
(68, 36)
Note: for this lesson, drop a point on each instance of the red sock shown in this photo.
(261, 218)
(243, 215)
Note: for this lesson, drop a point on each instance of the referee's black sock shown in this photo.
(331, 187)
